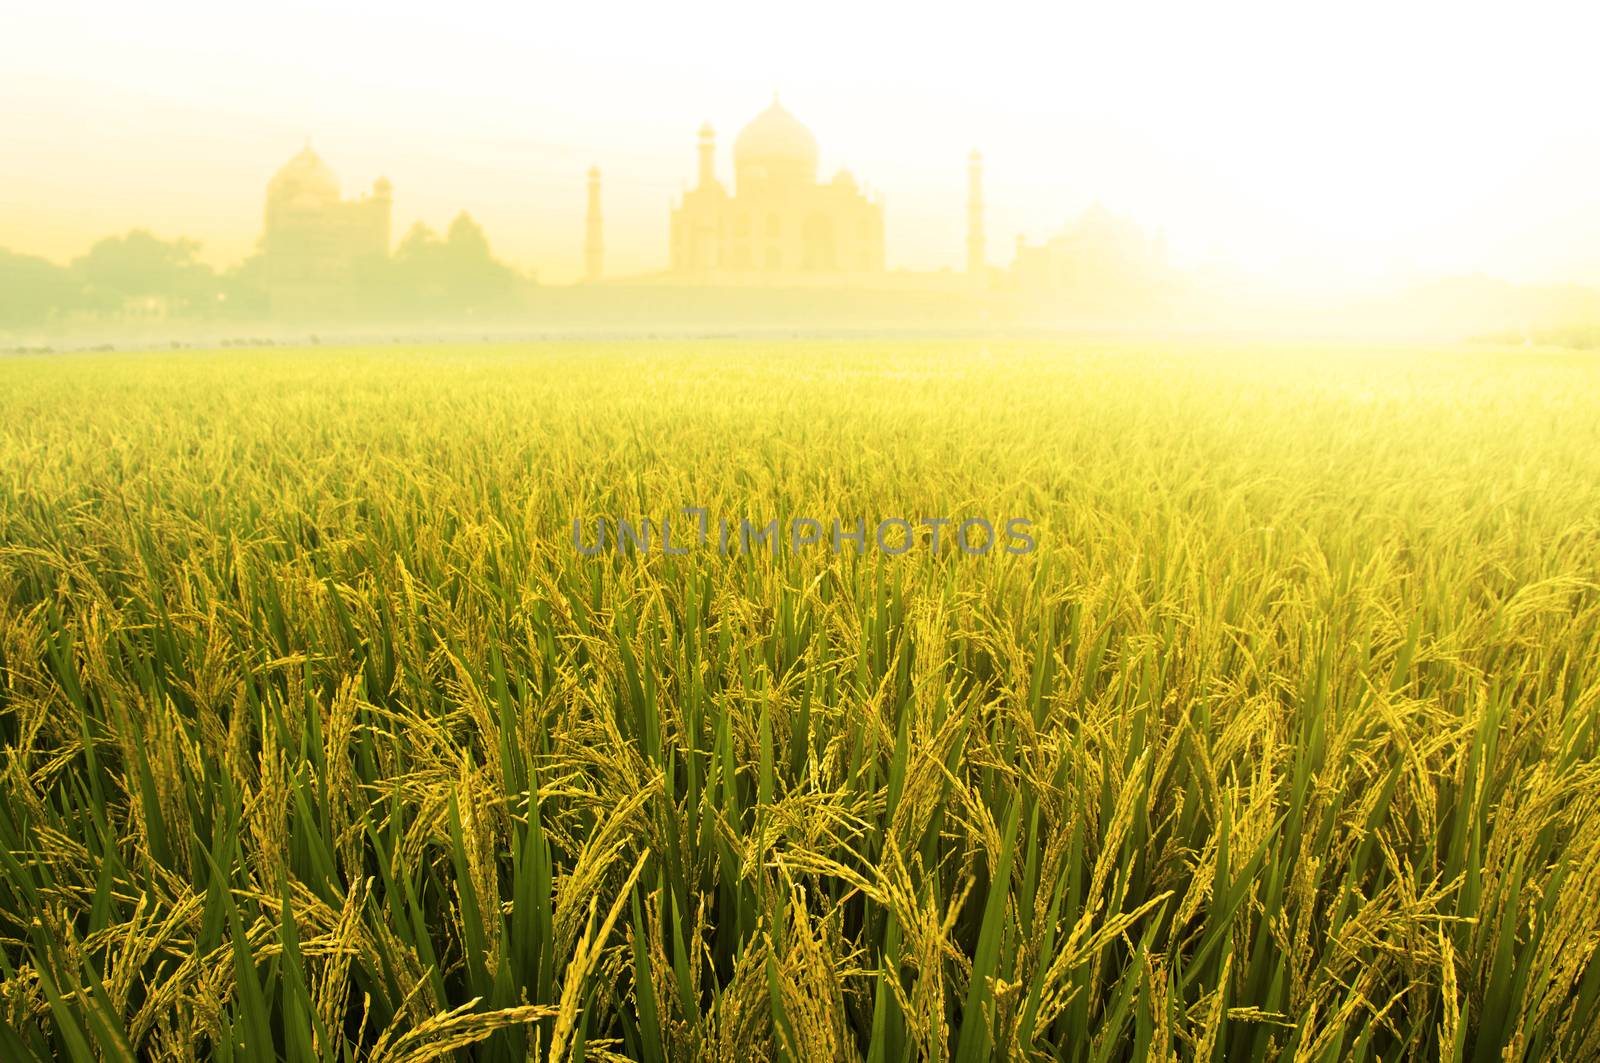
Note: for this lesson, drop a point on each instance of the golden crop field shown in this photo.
(322, 738)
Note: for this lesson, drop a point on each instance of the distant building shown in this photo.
(778, 225)
(314, 242)
(1102, 257)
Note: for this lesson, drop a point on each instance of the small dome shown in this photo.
(845, 179)
(304, 178)
(776, 136)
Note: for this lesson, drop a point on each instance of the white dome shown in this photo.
(304, 179)
(776, 137)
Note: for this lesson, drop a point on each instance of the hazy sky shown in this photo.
(1347, 141)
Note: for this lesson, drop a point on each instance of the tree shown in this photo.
(34, 290)
(140, 265)
(458, 273)
(476, 279)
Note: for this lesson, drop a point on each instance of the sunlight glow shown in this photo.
(1329, 145)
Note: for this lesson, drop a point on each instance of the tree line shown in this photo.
(139, 274)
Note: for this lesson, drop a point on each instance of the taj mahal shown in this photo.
(313, 239)
(777, 224)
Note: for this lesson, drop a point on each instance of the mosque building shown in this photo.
(1102, 257)
(777, 225)
(313, 240)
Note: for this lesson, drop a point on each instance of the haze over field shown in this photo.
(1361, 145)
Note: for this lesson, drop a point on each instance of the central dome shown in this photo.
(776, 136)
(304, 179)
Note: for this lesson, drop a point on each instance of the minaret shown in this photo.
(593, 247)
(975, 253)
(708, 156)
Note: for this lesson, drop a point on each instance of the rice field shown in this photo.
(324, 737)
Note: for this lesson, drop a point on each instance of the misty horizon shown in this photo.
(1430, 143)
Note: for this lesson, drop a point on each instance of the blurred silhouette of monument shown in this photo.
(799, 248)
(1101, 258)
(778, 225)
(314, 242)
